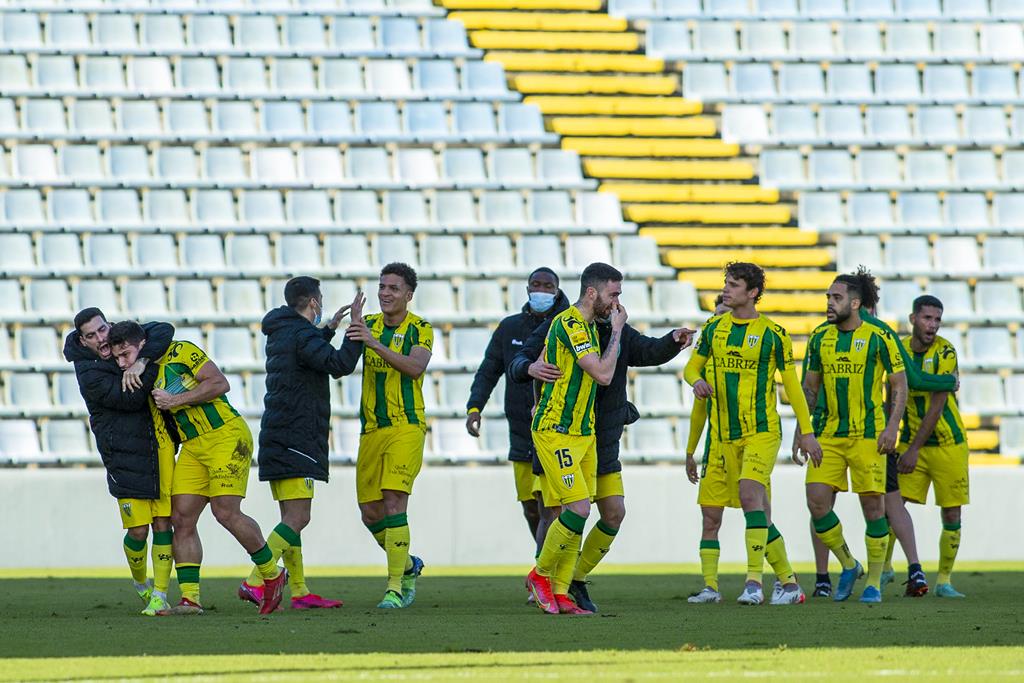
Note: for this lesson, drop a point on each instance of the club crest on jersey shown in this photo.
(127, 507)
(309, 483)
(568, 480)
(858, 344)
(752, 340)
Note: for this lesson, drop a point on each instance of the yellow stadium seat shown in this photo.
(629, 85)
(773, 302)
(610, 106)
(798, 325)
(621, 125)
(651, 147)
(971, 420)
(724, 237)
(726, 213)
(799, 347)
(774, 280)
(575, 62)
(514, 5)
(540, 21)
(555, 40)
(993, 460)
(674, 192)
(767, 258)
(668, 170)
(983, 439)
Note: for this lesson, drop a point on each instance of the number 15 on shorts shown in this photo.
(564, 458)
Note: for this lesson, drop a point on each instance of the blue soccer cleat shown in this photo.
(871, 595)
(409, 581)
(847, 578)
(946, 590)
(888, 576)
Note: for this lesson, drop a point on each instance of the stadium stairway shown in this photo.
(663, 155)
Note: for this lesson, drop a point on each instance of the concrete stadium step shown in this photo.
(698, 193)
(576, 62)
(539, 21)
(555, 40)
(696, 126)
(774, 280)
(766, 258)
(612, 106)
(668, 170)
(651, 147)
(525, 5)
(585, 85)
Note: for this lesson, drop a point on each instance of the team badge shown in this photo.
(752, 340)
(568, 480)
(309, 483)
(858, 344)
(127, 508)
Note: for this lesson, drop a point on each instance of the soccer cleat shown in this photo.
(567, 606)
(579, 593)
(273, 591)
(250, 593)
(156, 606)
(313, 601)
(822, 589)
(184, 608)
(946, 590)
(888, 576)
(706, 595)
(540, 587)
(789, 597)
(847, 578)
(777, 589)
(871, 595)
(145, 590)
(391, 600)
(409, 581)
(530, 600)
(751, 595)
(916, 584)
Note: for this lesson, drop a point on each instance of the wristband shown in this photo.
(472, 410)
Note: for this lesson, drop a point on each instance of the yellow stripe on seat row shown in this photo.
(733, 214)
(514, 5)
(555, 40)
(628, 85)
(704, 192)
(983, 439)
(752, 237)
(610, 106)
(799, 324)
(576, 62)
(651, 147)
(668, 170)
(766, 258)
(641, 126)
(540, 21)
(777, 303)
(992, 459)
(774, 280)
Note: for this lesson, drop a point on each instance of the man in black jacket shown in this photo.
(293, 448)
(134, 444)
(612, 413)
(545, 301)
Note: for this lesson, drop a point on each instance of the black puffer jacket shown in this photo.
(122, 422)
(297, 405)
(506, 342)
(611, 411)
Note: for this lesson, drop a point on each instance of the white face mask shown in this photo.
(541, 302)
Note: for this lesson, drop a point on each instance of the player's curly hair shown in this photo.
(403, 271)
(861, 285)
(126, 332)
(750, 273)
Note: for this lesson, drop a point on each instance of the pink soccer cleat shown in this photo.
(540, 587)
(249, 593)
(273, 590)
(313, 601)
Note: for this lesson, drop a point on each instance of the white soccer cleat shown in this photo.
(784, 597)
(707, 595)
(751, 595)
(777, 590)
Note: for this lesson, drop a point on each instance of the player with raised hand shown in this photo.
(850, 360)
(734, 365)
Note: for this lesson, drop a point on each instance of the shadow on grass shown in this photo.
(98, 617)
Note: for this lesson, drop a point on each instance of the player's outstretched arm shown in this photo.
(694, 375)
(211, 384)
(647, 351)
(898, 403)
(698, 416)
(484, 381)
(811, 387)
(916, 379)
(805, 432)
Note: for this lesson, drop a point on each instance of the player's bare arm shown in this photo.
(211, 384)
(908, 460)
(131, 379)
(898, 399)
(603, 369)
(811, 387)
(412, 366)
(804, 437)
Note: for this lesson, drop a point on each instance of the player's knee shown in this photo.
(712, 522)
(226, 516)
(138, 533)
(183, 522)
(614, 515)
(296, 520)
(951, 515)
(531, 510)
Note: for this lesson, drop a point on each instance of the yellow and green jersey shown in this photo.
(853, 366)
(389, 397)
(177, 374)
(740, 359)
(567, 405)
(938, 359)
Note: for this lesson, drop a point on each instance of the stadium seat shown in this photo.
(956, 300)
(99, 293)
(1003, 256)
(491, 254)
(29, 392)
(998, 301)
(19, 441)
(981, 394)
(652, 439)
(145, 299)
(67, 440)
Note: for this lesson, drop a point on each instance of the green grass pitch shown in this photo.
(474, 625)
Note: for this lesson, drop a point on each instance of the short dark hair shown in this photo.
(402, 270)
(861, 285)
(126, 332)
(597, 274)
(544, 269)
(87, 314)
(299, 290)
(751, 273)
(926, 300)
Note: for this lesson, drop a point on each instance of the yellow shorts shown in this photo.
(609, 485)
(389, 459)
(719, 479)
(860, 456)
(141, 511)
(216, 463)
(297, 488)
(570, 467)
(943, 466)
(523, 472)
(755, 456)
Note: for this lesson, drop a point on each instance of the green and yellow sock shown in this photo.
(163, 561)
(296, 571)
(562, 543)
(279, 540)
(188, 581)
(265, 562)
(595, 547)
(379, 533)
(949, 544)
(135, 551)
(775, 553)
(396, 545)
(757, 538)
(830, 530)
(876, 538)
(709, 554)
(887, 565)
